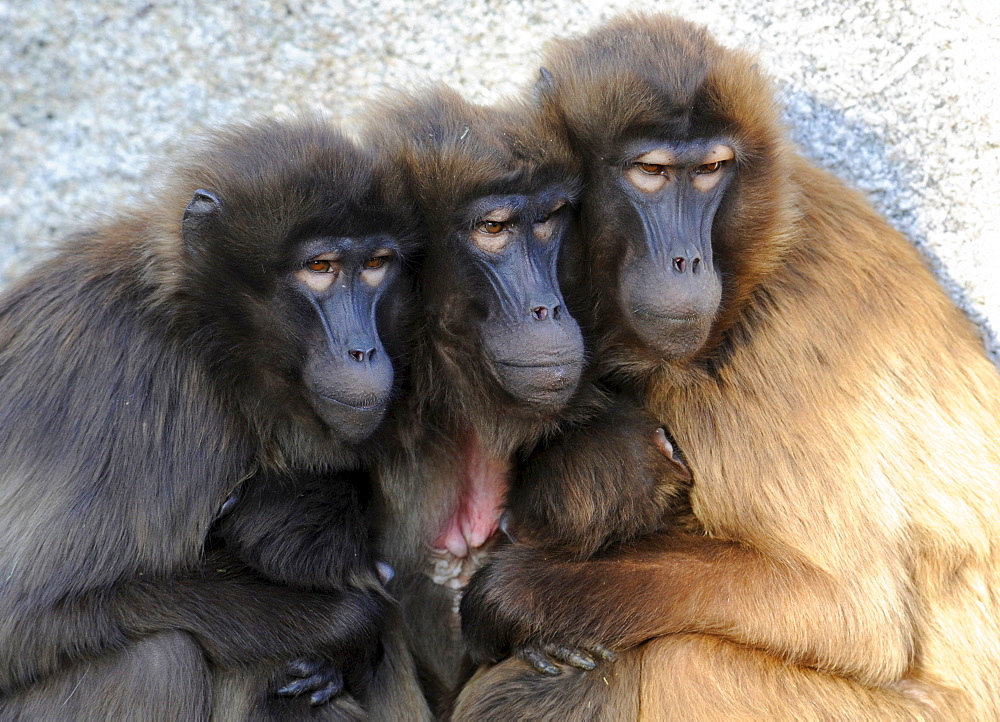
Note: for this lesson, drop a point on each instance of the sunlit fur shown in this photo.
(841, 425)
(145, 376)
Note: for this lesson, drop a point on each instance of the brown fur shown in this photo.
(597, 484)
(841, 426)
(457, 421)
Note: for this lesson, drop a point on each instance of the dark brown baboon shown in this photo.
(496, 363)
(838, 414)
(608, 479)
(235, 331)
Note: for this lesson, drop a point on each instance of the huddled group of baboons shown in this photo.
(599, 404)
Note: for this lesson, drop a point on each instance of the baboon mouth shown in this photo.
(526, 365)
(368, 404)
(541, 377)
(539, 384)
(676, 319)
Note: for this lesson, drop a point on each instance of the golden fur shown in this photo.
(841, 425)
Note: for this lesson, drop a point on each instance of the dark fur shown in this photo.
(840, 424)
(598, 483)
(143, 380)
(456, 154)
(453, 153)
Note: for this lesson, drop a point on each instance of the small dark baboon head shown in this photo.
(293, 240)
(686, 193)
(496, 195)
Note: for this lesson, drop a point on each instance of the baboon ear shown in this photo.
(544, 86)
(199, 216)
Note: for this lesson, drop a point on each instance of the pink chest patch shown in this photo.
(477, 515)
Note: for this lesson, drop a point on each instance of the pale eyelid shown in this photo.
(383, 254)
(374, 276)
(498, 215)
(708, 181)
(552, 211)
(659, 156)
(386, 254)
(646, 182)
(718, 153)
(491, 242)
(543, 230)
(317, 281)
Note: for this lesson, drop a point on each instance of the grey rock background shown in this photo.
(898, 97)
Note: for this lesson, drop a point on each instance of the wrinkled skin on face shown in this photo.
(347, 367)
(670, 287)
(534, 346)
(331, 288)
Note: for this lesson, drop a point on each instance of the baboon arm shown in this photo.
(282, 529)
(672, 584)
(236, 620)
(601, 483)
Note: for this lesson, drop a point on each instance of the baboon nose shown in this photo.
(361, 355)
(681, 264)
(540, 313)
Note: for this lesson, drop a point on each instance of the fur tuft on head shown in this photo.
(454, 153)
(659, 77)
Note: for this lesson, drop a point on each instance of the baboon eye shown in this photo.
(376, 262)
(318, 265)
(545, 217)
(491, 227)
(708, 168)
(651, 168)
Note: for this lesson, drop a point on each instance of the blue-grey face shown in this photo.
(670, 286)
(312, 299)
(347, 368)
(534, 346)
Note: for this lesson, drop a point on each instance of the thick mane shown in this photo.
(287, 179)
(455, 151)
(659, 77)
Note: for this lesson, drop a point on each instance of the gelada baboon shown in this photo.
(838, 414)
(496, 367)
(235, 331)
(496, 356)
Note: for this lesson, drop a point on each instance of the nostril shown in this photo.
(679, 264)
(695, 262)
(556, 312)
(359, 355)
(540, 313)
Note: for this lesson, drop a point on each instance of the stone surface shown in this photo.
(898, 97)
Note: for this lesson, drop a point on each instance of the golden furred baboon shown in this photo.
(837, 411)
